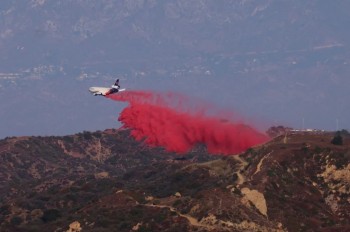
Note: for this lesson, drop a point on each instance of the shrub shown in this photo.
(271, 173)
(137, 213)
(16, 221)
(68, 139)
(144, 228)
(318, 150)
(337, 139)
(51, 215)
(87, 135)
(156, 202)
(177, 203)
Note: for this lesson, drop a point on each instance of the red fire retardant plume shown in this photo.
(150, 118)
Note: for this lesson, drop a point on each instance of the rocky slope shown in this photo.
(105, 181)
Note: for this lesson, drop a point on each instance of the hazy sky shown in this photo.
(270, 61)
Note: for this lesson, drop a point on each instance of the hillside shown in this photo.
(105, 181)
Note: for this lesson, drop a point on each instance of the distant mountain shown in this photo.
(87, 33)
(284, 61)
(105, 181)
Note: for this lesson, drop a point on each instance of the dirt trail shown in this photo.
(243, 164)
(99, 149)
(258, 168)
(193, 221)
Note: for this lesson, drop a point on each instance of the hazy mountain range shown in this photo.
(276, 62)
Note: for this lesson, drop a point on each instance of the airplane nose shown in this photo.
(91, 89)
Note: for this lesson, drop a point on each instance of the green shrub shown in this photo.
(144, 228)
(51, 215)
(271, 173)
(318, 150)
(156, 202)
(337, 139)
(137, 213)
(177, 202)
(16, 221)
(68, 139)
(87, 135)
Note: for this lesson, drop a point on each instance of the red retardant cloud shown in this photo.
(151, 119)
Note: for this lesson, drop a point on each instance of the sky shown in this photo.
(268, 62)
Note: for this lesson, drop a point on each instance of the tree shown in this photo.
(344, 132)
(51, 215)
(337, 139)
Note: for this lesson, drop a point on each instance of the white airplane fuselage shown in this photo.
(103, 91)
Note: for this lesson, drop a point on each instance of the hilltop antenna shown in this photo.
(285, 139)
(303, 124)
(337, 124)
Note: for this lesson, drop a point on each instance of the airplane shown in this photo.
(104, 91)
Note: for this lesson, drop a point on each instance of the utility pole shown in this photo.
(285, 139)
(337, 124)
(303, 124)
